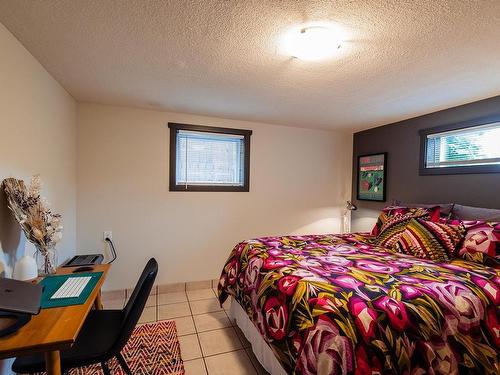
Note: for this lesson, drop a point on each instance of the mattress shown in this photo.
(329, 304)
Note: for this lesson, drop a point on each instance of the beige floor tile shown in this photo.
(151, 301)
(148, 315)
(233, 363)
(260, 370)
(211, 321)
(190, 347)
(219, 341)
(195, 367)
(170, 288)
(154, 290)
(113, 304)
(194, 285)
(196, 295)
(185, 326)
(174, 297)
(243, 339)
(174, 310)
(113, 294)
(205, 306)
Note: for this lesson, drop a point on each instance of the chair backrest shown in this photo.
(135, 305)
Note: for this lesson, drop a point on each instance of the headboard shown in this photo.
(475, 213)
(458, 211)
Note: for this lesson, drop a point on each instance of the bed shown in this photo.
(337, 304)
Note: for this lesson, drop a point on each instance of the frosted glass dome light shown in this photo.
(312, 43)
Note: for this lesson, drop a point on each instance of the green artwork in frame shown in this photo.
(372, 174)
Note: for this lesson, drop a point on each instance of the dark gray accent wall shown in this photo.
(402, 143)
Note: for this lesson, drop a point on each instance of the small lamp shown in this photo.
(346, 224)
(351, 206)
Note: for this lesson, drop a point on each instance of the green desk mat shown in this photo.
(50, 285)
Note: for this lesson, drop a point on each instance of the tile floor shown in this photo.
(210, 343)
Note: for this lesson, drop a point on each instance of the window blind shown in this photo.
(478, 145)
(209, 159)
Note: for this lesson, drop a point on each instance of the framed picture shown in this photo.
(372, 176)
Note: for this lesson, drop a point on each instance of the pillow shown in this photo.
(394, 221)
(481, 243)
(411, 212)
(475, 213)
(429, 240)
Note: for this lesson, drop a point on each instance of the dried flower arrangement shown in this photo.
(41, 226)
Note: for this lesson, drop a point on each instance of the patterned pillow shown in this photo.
(395, 222)
(429, 240)
(482, 242)
(388, 213)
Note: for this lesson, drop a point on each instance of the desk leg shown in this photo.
(98, 301)
(53, 363)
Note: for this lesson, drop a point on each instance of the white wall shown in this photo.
(38, 135)
(364, 219)
(299, 180)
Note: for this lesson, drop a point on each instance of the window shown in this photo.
(204, 158)
(461, 149)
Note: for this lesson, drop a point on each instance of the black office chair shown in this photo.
(103, 335)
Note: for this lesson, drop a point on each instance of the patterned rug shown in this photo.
(153, 348)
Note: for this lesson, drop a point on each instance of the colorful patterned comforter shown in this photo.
(333, 304)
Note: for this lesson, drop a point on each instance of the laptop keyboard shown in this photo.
(72, 287)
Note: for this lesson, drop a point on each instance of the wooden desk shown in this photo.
(52, 330)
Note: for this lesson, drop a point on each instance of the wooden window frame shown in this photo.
(175, 127)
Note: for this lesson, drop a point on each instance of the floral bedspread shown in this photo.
(334, 304)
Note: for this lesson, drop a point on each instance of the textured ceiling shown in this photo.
(222, 58)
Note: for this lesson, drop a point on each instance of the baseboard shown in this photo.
(165, 288)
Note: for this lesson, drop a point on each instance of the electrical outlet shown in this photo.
(107, 234)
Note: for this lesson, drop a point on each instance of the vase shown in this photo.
(46, 260)
(25, 269)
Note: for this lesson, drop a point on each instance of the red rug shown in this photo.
(153, 349)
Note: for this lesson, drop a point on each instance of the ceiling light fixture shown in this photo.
(312, 42)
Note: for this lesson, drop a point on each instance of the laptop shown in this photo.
(20, 296)
(84, 260)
